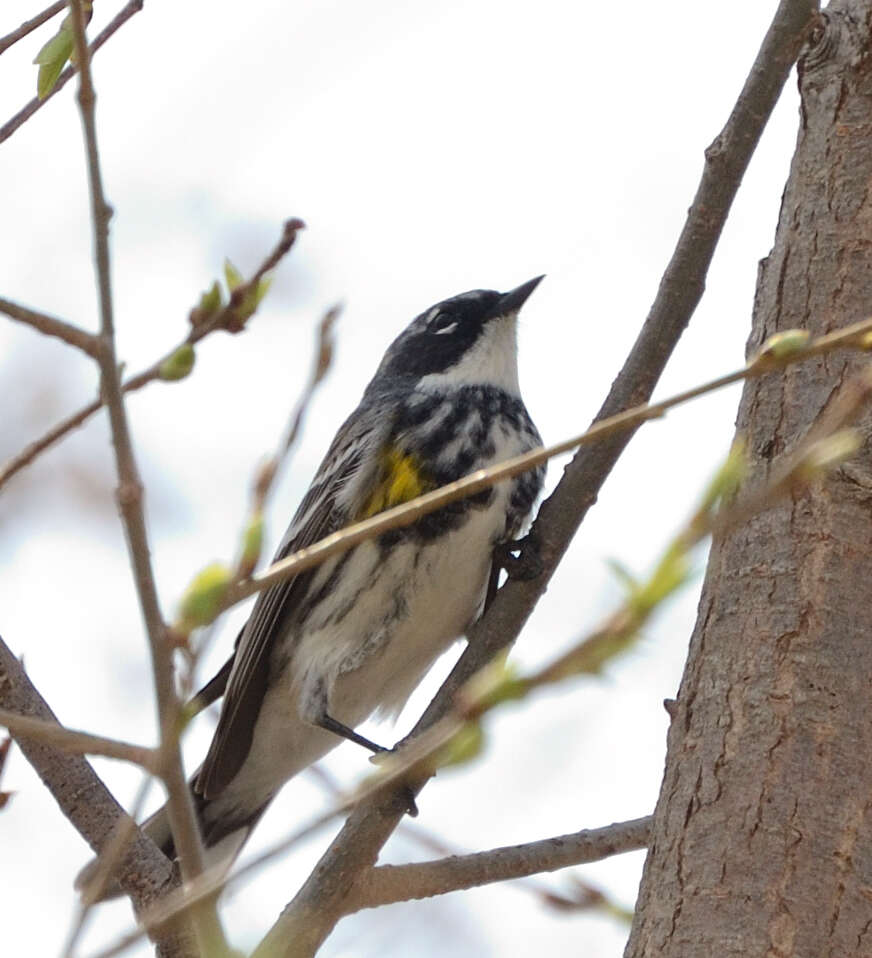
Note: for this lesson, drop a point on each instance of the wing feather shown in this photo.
(333, 499)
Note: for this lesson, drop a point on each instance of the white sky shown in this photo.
(431, 148)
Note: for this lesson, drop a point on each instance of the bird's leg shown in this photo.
(324, 720)
(521, 560)
(330, 724)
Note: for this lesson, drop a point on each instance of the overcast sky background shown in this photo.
(431, 148)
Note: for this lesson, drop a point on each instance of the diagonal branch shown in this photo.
(75, 742)
(30, 452)
(321, 902)
(388, 884)
(51, 326)
(30, 25)
(27, 111)
(144, 873)
(180, 805)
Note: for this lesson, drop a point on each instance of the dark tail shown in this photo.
(223, 839)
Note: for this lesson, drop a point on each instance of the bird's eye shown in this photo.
(443, 323)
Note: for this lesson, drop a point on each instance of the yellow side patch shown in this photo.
(400, 479)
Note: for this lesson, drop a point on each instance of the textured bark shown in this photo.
(762, 837)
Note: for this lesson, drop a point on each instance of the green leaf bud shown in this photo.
(178, 365)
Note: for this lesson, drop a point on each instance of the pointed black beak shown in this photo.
(512, 301)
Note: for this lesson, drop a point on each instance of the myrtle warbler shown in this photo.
(325, 650)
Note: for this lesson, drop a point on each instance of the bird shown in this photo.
(352, 637)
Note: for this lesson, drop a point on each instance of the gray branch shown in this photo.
(144, 873)
(392, 883)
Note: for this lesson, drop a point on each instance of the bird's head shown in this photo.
(467, 339)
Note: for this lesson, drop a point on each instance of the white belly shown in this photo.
(411, 604)
(405, 615)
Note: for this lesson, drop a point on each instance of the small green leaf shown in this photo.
(728, 478)
(783, 345)
(618, 912)
(201, 602)
(493, 684)
(232, 275)
(188, 712)
(59, 47)
(210, 301)
(263, 287)
(465, 745)
(178, 365)
(247, 308)
(829, 452)
(51, 60)
(671, 573)
(252, 544)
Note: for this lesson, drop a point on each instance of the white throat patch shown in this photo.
(492, 361)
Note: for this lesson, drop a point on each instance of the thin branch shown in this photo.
(99, 878)
(74, 742)
(30, 452)
(30, 25)
(266, 474)
(580, 896)
(388, 884)
(50, 326)
(226, 318)
(323, 359)
(180, 805)
(143, 871)
(321, 902)
(851, 337)
(27, 111)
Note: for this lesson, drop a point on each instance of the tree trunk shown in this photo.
(762, 842)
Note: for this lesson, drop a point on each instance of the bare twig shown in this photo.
(322, 898)
(180, 806)
(387, 884)
(323, 359)
(74, 742)
(103, 873)
(226, 318)
(50, 326)
(30, 25)
(581, 895)
(5, 746)
(27, 111)
(30, 452)
(143, 872)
